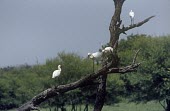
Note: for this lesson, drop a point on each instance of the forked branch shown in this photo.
(134, 58)
(124, 29)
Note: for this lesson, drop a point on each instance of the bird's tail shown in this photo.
(53, 76)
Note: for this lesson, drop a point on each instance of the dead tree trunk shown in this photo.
(116, 22)
(110, 68)
(101, 93)
(114, 36)
(115, 31)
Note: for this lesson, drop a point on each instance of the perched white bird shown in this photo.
(95, 56)
(107, 50)
(132, 14)
(57, 72)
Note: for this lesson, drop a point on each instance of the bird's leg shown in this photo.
(93, 65)
(57, 80)
(97, 65)
(133, 20)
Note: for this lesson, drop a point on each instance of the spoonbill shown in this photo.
(95, 57)
(107, 50)
(132, 14)
(57, 72)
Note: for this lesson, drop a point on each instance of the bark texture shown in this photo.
(58, 89)
(114, 36)
(101, 93)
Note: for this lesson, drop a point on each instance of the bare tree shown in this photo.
(116, 28)
(115, 31)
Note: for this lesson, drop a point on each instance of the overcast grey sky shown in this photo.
(31, 29)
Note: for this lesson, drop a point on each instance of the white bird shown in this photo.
(57, 72)
(95, 56)
(132, 14)
(107, 50)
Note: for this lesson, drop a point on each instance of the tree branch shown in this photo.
(124, 29)
(136, 54)
(122, 70)
(162, 105)
(88, 80)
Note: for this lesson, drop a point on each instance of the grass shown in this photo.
(150, 106)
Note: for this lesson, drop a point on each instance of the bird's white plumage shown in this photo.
(57, 72)
(96, 55)
(131, 14)
(107, 50)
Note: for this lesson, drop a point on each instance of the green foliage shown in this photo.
(115, 89)
(151, 82)
(152, 79)
(19, 84)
